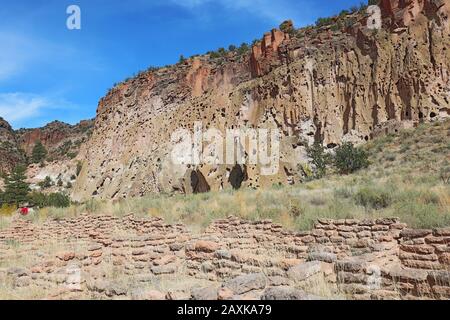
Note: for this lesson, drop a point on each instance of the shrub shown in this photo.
(57, 200)
(244, 48)
(182, 59)
(323, 22)
(445, 174)
(232, 48)
(373, 198)
(7, 209)
(349, 159)
(39, 152)
(222, 52)
(214, 55)
(319, 158)
(46, 183)
(306, 171)
(287, 27)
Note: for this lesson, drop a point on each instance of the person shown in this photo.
(25, 209)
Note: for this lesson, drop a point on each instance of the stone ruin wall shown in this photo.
(367, 259)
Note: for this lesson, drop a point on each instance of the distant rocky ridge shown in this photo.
(334, 83)
(61, 140)
(10, 153)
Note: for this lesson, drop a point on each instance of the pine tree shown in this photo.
(39, 152)
(16, 188)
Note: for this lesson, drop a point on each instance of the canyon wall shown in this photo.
(339, 82)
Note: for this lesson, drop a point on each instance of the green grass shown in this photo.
(402, 181)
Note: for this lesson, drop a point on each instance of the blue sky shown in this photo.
(48, 72)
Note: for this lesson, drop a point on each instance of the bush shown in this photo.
(445, 174)
(373, 198)
(287, 27)
(319, 158)
(323, 22)
(349, 159)
(57, 200)
(46, 183)
(7, 209)
(244, 48)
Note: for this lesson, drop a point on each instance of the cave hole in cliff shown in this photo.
(421, 115)
(433, 115)
(331, 145)
(199, 183)
(237, 175)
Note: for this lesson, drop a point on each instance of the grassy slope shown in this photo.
(402, 181)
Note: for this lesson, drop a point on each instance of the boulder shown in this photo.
(245, 283)
(304, 271)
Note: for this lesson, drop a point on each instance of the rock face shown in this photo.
(61, 140)
(10, 154)
(323, 84)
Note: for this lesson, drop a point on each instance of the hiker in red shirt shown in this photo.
(24, 211)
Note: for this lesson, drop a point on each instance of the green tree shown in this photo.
(182, 59)
(287, 27)
(232, 47)
(16, 188)
(349, 159)
(319, 158)
(243, 48)
(222, 51)
(39, 152)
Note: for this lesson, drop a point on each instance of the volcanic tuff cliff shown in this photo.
(339, 82)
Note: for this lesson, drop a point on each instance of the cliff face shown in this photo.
(329, 84)
(10, 155)
(61, 140)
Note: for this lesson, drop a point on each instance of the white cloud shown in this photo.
(19, 106)
(275, 11)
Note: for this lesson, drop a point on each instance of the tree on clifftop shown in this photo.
(39, 152)
(16, 188)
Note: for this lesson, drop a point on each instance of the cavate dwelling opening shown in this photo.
(199, 183)
(237, 176)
